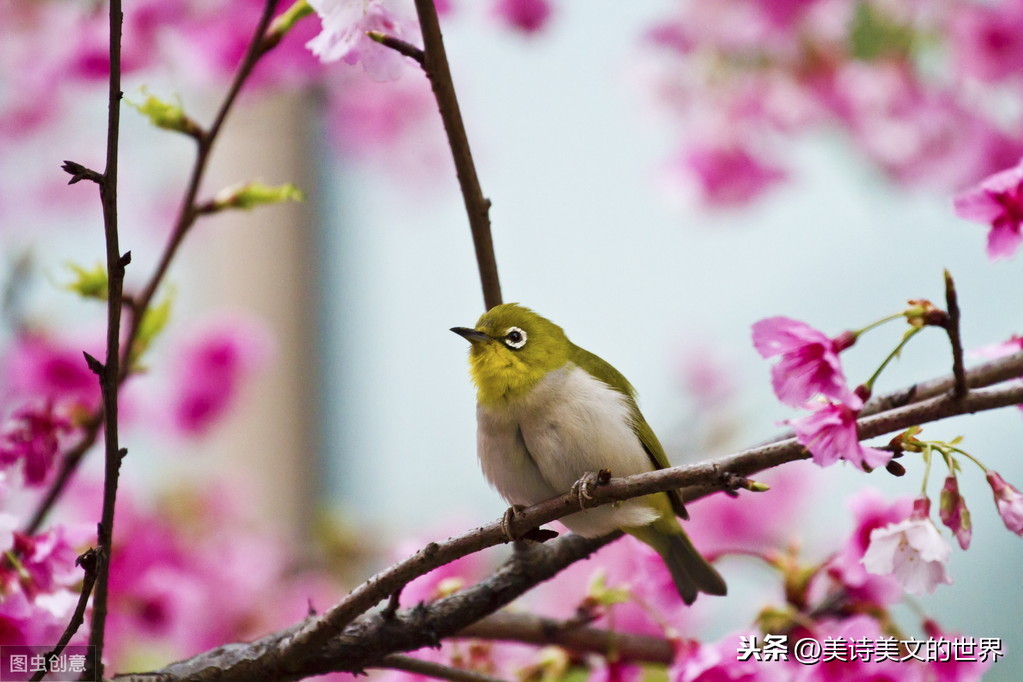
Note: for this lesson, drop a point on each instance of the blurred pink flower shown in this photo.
(784, 14)
(830, 434)
(32, 437)
(184, 573)
(912, 550)
(1009, 501)
(706, 376)
(211, 41)
(37, 601)
(40, 367)
(947, 666)
(757, 522)
(953, 512)
(721, 661)
(843, 666)
(212, 366)
(627, 566)
(345, 23)
(27, 622)
(999, 350)
(726, 176)
(809, 363)
(528, 16)
(48, 560)
(870, 512)
(997, 201)
(988, 39)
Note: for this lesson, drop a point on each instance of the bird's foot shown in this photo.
(584, 487)
(534, 534)
(508, 519)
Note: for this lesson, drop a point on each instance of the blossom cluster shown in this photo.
(920, 89)
(911, 550)
(809, 366)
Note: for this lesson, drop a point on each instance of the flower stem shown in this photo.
(878, 323)
(891, 356)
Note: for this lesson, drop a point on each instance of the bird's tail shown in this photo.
(690, 572)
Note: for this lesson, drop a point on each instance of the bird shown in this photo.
(549, 412)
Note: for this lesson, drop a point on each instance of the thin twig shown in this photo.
(399, 46)
(524, 627)
(431, 669)
(109, 372)
(88, 563)
(435, 64)
(952, 326)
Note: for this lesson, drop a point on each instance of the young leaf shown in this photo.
(153, 322)
(167, 116)
(88, 283)
(248, 195)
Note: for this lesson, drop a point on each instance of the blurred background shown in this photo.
(649, 195)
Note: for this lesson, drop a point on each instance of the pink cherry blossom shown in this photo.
(32, 438)
(953, 512)
(947, 667)
(720, 661)
(43, 367)
(528, 16)
(999, 350)
(345, 23)
(809, 363)
(988, 40)
(47, 560)
(913, 551)
(725, 176)
(830, 434)
(997, 201)
(758, 523)
(844, 667)
(870, 511)
(1009, 501)
(213, 365)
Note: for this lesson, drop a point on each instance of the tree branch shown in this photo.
(431, 669)
(109, 372)
(522, 627)
(435, 64)
(347, 638)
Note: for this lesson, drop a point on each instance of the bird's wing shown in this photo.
(602, 370)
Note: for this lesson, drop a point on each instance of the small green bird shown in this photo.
(549, 412)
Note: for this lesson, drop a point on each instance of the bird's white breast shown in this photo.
(570, 423)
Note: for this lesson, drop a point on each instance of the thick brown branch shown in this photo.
(435, 64)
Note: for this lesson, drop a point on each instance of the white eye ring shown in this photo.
(514, 338)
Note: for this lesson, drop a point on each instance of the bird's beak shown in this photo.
(471, 335)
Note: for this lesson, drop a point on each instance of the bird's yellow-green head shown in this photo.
(512, 349)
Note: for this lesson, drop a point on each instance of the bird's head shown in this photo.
(512, 349)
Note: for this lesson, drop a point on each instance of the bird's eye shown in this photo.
(515, 338)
